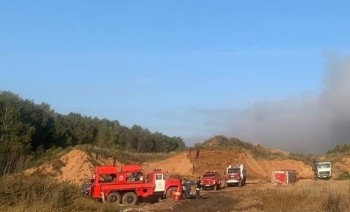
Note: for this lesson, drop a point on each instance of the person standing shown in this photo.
(188, 185)
(198, 188)
(183, 183)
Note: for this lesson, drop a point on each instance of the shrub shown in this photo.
(331, 203)
(344, 176)
(38, 193)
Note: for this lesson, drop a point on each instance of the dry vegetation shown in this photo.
(121, 155)
(307, 196)
(38, 193)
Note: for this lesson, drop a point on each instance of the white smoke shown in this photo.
(304, 124)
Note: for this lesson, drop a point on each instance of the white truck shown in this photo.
(235, 175)
(324, 170)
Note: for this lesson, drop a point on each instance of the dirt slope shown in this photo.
(256, 169)
(74, 167)
(178, 164)
(342, 166)
(77, 166)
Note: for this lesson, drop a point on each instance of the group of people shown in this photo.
(187, 187)
(138, 176)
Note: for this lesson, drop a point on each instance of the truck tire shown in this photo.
(129, 198)
(114, 198)
(169, 192)
(240, 183)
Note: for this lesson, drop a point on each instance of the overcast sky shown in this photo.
(269, 72)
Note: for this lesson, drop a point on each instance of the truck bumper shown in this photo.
(232, 181)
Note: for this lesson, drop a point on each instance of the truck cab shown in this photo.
(211, 179)
(324, 170)
(163, 183)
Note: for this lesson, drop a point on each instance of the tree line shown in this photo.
(28, 129)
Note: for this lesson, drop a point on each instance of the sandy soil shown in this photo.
(77, 167)
(178, 164)
(74, 167)
(227, 199)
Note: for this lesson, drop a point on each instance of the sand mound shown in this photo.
(73, 167)
(77, 167)
(342, 166)
(218, 160)
(178, 164)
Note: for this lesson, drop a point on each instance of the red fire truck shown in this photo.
(211, 179)
(127, 185)
(284, 177)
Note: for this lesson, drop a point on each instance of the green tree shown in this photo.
(16, 137)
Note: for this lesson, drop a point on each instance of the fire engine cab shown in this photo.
(211, 179)
(236, 175)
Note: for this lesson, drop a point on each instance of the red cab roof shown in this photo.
(106, 169)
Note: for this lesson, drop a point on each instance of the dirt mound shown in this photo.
(75, 166)
(342, 166)
(177, 164)
(218, 160)
(214, 160)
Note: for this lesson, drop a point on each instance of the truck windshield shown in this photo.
(322, 166)
(209, 175)
(233, 170)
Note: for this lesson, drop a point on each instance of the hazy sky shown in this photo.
(270, 72)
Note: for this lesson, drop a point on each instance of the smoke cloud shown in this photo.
(308, 124)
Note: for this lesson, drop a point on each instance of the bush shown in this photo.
(344, 176)
(38, 193)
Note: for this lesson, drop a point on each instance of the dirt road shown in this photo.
(227, 199)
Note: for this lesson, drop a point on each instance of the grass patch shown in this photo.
(57, 164)
(331, 203)
(122, 155)
(314, 196)
(344, 176)
(221, 142)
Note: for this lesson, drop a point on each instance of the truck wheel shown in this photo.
(240, 183)
(114, 197)
(129, 198)
(169, 193)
